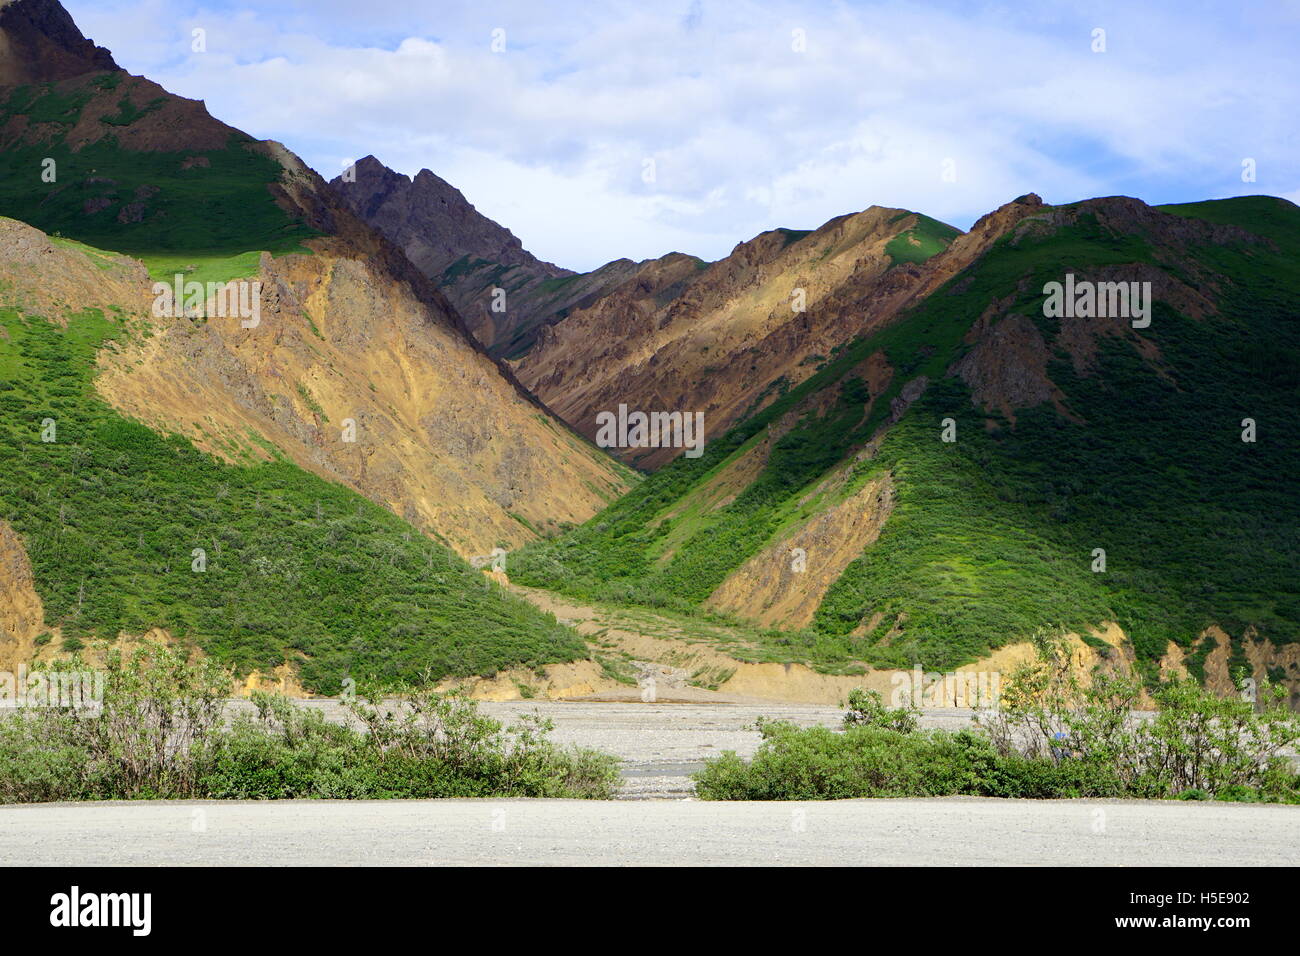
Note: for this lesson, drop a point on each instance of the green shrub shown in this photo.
(1051, 738)
(867, 709)
(161, 733)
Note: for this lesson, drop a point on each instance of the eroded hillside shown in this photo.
(978, 469)
(351, 332)
(728, 338)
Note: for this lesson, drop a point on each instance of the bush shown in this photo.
(161, 733)
(1051, 738)
(867, 709)
(1195, 741)
(818, 763)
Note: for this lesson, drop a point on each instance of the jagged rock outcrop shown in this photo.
(40, 43)
(431, 220)
(469, 257)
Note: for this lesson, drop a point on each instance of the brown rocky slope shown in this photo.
(725, 338)
(470, 257)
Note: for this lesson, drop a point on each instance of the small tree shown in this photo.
(1029, 718)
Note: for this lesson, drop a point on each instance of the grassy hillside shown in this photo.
(297, 568)
(194, 211)
(927, 238)
(992, 536)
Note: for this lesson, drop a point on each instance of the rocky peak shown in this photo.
(432, 220)
(40, 43)
(998, 221)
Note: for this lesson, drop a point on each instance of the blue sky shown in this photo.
(554, 135)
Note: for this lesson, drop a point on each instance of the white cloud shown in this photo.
(550, 137)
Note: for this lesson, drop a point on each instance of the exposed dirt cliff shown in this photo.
(22, 617)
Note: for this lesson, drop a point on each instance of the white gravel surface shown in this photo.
(952, 831)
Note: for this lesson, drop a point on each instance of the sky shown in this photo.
(598, 129)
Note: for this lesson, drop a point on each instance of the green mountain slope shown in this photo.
(111, 513)
(1071, 436)
(296, 568)
(105, 158)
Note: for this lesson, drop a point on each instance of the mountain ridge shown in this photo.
(501, 289)
(1068, 435)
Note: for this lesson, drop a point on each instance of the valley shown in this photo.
(897, 450)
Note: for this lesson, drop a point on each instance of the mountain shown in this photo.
(674, 334)
(932, 461)
(357, 371)
(469, 256)
(726, 338)
(40, 43)
(431, 220)
(982, 465)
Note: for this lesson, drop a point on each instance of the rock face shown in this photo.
(40, 43)
(469, 256)
(431, 220)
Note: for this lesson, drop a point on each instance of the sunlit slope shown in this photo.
(258, 563)
(1072, 435)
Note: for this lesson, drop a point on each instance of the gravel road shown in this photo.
(950, 831)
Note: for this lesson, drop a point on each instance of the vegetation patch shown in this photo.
(927, 238)
(160, 732)
(1051, 739)
(117, 519)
